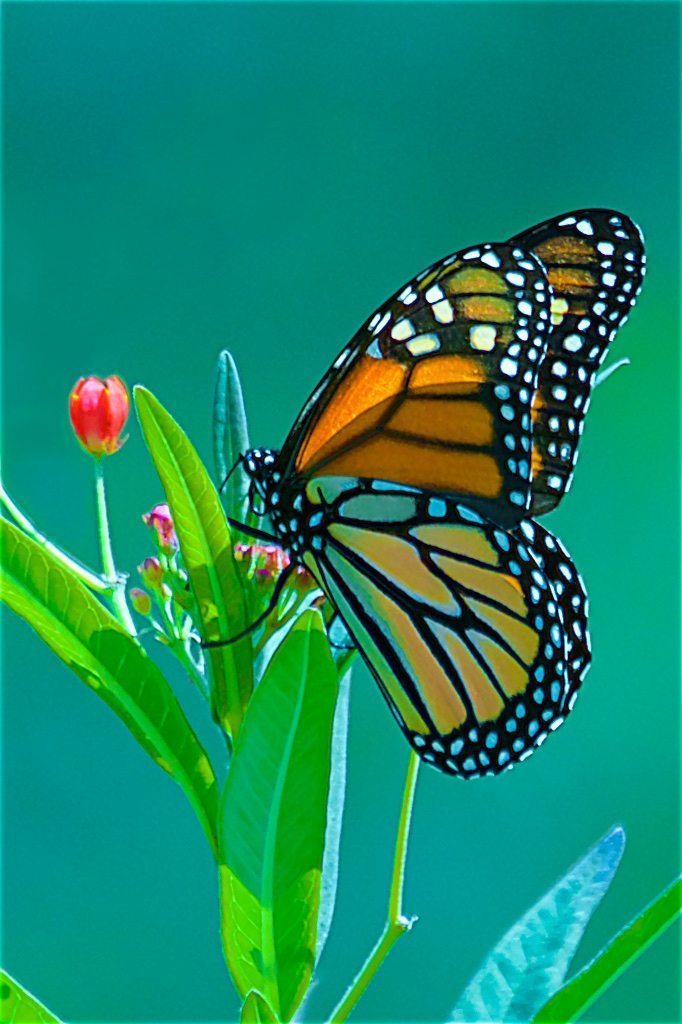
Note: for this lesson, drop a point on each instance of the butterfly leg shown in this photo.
(272, 604)
(252, 531)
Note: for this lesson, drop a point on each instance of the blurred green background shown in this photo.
(180, 178)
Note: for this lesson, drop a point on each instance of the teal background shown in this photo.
(186, 177)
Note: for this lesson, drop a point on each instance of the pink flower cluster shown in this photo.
(270, 560)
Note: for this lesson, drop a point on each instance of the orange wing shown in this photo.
(435, 389)
(595, 265)
(465, 626)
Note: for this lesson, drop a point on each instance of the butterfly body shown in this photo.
(408, 485)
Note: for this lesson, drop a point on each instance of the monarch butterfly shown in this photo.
(409, 482)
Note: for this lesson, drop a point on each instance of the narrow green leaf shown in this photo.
(337, 793)
(581, 991)
(530, 962)
(91, 642)
(17, 1006)
(256, 1010)
(230, 437)
(273, 821)
(206, 547)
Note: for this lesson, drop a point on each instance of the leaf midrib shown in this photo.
(272, 830)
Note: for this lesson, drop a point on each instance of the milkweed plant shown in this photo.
(279, 696)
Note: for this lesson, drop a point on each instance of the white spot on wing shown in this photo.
(491, 259)
(402, 330)
(434, 294)
(423, 344)
(443, 312)
(341, 359)
(382, 323)
(573, 342)
(482, 337)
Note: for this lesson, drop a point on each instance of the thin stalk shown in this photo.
(178, 644)
(608, 370)
(193, 670)
(91, 579)
(118, 598)
(396, 924)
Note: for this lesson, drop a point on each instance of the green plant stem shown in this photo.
(192, 669)
(91, 579)
(179, 648)
(396, 924)
(177, 644)
(118, 598)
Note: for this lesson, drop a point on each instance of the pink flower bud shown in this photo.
(151, 572)
(161, 521)
(140, 600)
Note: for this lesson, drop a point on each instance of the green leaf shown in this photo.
(230, 437)
(335, 802)
(531, 960)
(17, 1006)
(206, 546)
(257, 1010)
(578, 994)
(91, 642)
(273, 821)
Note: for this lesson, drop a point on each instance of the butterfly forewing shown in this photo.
(457, 619)
(595, 264)
(435, 390)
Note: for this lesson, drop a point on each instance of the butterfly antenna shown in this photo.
(272, 604)
(239, 461)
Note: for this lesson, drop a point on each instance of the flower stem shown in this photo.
(118, 598)
(191, 668)
(91, 579)
(179, 645)
(396, 924)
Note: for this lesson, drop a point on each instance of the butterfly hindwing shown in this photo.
(456, 617)
(435, 390)
(595, 264)
(571, 598)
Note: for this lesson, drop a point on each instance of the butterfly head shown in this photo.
(260, 466)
